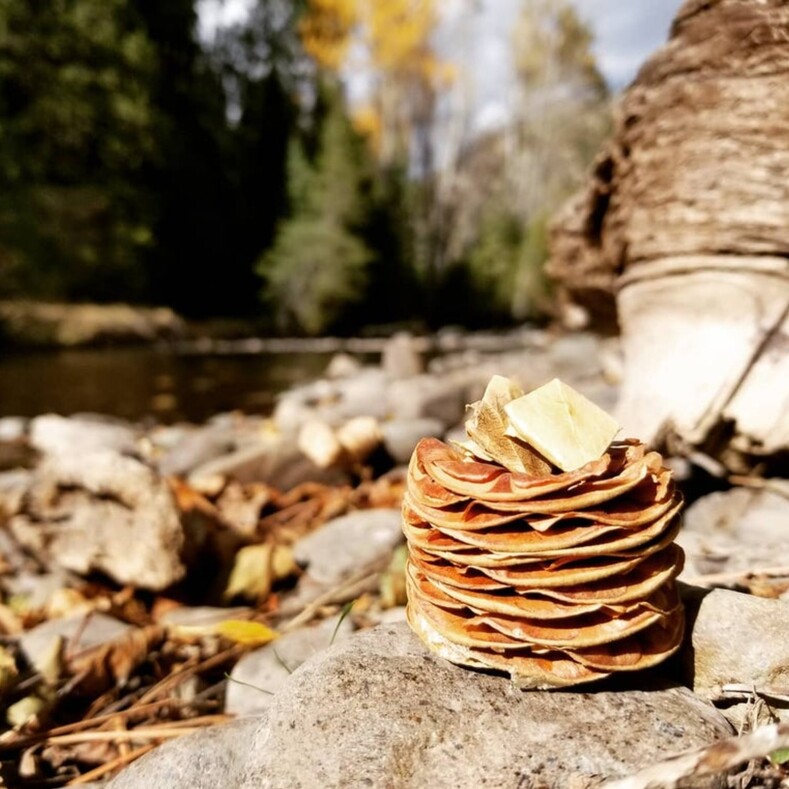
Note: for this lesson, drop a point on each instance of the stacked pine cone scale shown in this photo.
(556, 578)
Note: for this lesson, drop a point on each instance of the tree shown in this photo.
(318, 263)
(394, 48)
(78, 127)
(517, 177)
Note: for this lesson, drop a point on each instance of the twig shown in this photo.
(779, 487)
(716, 758)
(746, 691)
(164, 730)
(352, 587)
(88, 723)
(738, 575)
(190, 669)
(108, 767)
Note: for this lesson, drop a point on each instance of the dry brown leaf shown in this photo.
(487, 428)
(100, 668)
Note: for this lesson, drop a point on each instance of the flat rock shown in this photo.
(348, 544)
(194, 448)
(737, 530)
(422, 396)
(401, 357)
(74, 435)
(99, 510)
(379, 710)
(400, 436)
(276, 461)
(80, 631)
(270, 667)
(736, 639)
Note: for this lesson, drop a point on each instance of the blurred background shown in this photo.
(268, 168)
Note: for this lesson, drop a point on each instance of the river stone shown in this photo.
(194, 448)
(400, 436)
(12, 428)
(736, 638)
(348, 544)
(80, 632)
(87, 511)
(442, 398)
(209, 759)
(737, 530)
(74, 435)
(276, 461)
(379, 710)
(270, 667)
(401, 357)
(342, 365)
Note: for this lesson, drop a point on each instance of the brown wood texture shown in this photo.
(682, 235)
(699, 157)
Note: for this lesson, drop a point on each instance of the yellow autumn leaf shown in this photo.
(8, 669)
(244, 632)
(240, 631)
(561, 424)
(251, 576)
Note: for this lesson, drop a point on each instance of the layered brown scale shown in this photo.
(558, 579)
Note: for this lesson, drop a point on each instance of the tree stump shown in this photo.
(682, 235)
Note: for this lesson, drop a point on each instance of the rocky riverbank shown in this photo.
(146, 572)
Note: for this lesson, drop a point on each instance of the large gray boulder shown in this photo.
(379, 710)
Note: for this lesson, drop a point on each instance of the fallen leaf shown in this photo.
(359, 436)
(101, 667)
(257, 568)
(65, 602)
(251, 576)
(781, 756)
(8, 669)
(561, 424)
(240, 631)
(392, 583)
(10, 623)
(24, 710)
(487, 428)
(318, 442)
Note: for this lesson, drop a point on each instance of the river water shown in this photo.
(138, 383)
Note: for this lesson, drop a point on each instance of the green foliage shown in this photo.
(507, 266)
(318, 264)
(77, 126)
(314, 270)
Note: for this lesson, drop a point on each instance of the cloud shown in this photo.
(626, 33)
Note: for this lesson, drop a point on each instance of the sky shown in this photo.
(476, 34)
(626, 31)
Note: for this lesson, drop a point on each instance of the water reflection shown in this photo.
(136, 383)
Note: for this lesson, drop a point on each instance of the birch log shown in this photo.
(683, 228)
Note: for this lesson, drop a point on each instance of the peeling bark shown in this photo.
(682, 232)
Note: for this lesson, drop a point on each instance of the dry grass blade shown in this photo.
(161, 730)
(348, 589)
(713, 759)
(112, 765)
(739, 576)
(174, 679)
